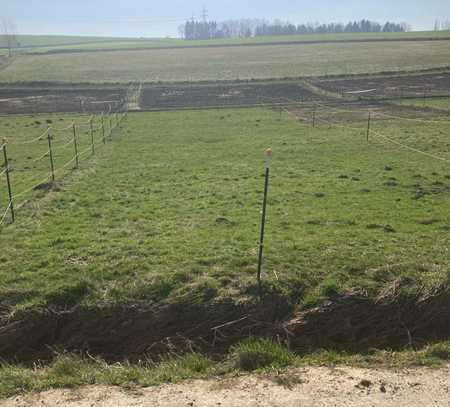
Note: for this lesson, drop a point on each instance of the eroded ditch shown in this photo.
(352, 322)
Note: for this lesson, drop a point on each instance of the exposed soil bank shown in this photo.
(352, 322)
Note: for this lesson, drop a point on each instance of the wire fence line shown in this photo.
(83, 136)
(367, 109)
(86, 135)
(369, 130)
(23, 143)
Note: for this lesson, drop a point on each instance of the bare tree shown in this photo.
(437, 25)
(405, 27)
(8, 31)
(182, 30)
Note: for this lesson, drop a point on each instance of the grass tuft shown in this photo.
(254, 354)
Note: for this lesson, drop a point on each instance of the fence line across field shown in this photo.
(75, 129)
(441, 119)
(99, 128)
(46, 179)
(3, 218)
(370, 131)
(35, 140)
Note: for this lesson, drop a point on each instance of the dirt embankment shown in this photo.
(309, 387)
(352, 322)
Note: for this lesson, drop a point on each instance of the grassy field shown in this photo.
(30, 162)
(172, 206)
(229, 63)
(170, 209)
(46, 43)
(29, 41)
(437, 103)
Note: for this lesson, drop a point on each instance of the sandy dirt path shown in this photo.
(308, 387)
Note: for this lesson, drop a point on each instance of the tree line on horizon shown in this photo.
(246, 28)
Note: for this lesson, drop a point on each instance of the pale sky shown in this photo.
(149, 18)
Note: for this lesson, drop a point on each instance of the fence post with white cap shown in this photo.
(268, 155)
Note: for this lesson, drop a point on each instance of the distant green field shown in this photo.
(55, 40)
(271, 61)
(57, 43)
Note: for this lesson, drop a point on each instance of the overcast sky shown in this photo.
(150, 18)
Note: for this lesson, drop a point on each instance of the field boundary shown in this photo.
(256, 44)
(68, 137)
(90, 85)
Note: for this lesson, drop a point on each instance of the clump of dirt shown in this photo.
(48, 186)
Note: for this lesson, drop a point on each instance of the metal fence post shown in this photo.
(50, 152)
(75, 145)
(92, 136)
(103, 129)
(263, 218)
(368, 125)
(8, 183)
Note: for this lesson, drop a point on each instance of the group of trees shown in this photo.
(8, 35)
(441, 25)
(363, 26)
(204, 30)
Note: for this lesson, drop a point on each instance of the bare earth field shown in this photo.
(414, 85)
(318, 387)
(57, 100)
(173, 96)
(217, 95)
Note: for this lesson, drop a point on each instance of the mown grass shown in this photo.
(261, 62)
(69, 371)
(173, 208)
